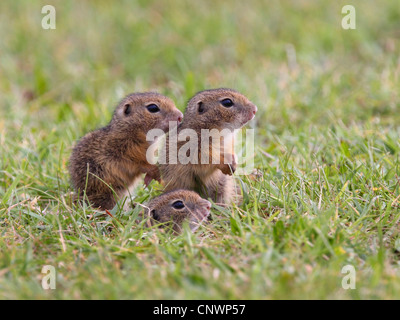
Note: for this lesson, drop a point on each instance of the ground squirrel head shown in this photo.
(219, 109)
(146, 111)
(173, 208)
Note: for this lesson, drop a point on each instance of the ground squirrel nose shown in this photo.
(180, 116)
(255, 110)
(207, 205)
(176, 116)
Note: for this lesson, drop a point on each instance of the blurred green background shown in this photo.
(101, 51)
(327, 138)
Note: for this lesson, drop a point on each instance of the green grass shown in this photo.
(328, 147)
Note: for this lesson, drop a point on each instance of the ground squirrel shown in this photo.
(210, 109)
(173, 208)
(115, 156)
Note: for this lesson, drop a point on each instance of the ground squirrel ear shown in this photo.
(200, 107)
(154, 215)
(127, 108)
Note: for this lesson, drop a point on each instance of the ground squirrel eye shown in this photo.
(178, 205)
(153, 108)
(154, 215)
(227, 103)
(127, 108)
(201, 108)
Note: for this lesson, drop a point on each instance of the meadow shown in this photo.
(327, 148)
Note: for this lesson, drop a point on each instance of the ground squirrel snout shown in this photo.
(115, 155)
(173, 208)
(218, 109)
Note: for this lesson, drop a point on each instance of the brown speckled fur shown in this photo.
(116, 153)
(213, 181)
(195, 211)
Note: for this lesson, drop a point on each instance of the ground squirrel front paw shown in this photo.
(228, 169)
(152, 172)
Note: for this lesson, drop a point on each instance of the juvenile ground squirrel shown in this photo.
(217, 109)
(173, 208)
(115, 156)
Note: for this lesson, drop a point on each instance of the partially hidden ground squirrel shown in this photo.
(210, 109)
(115, 156)
(173, 208)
